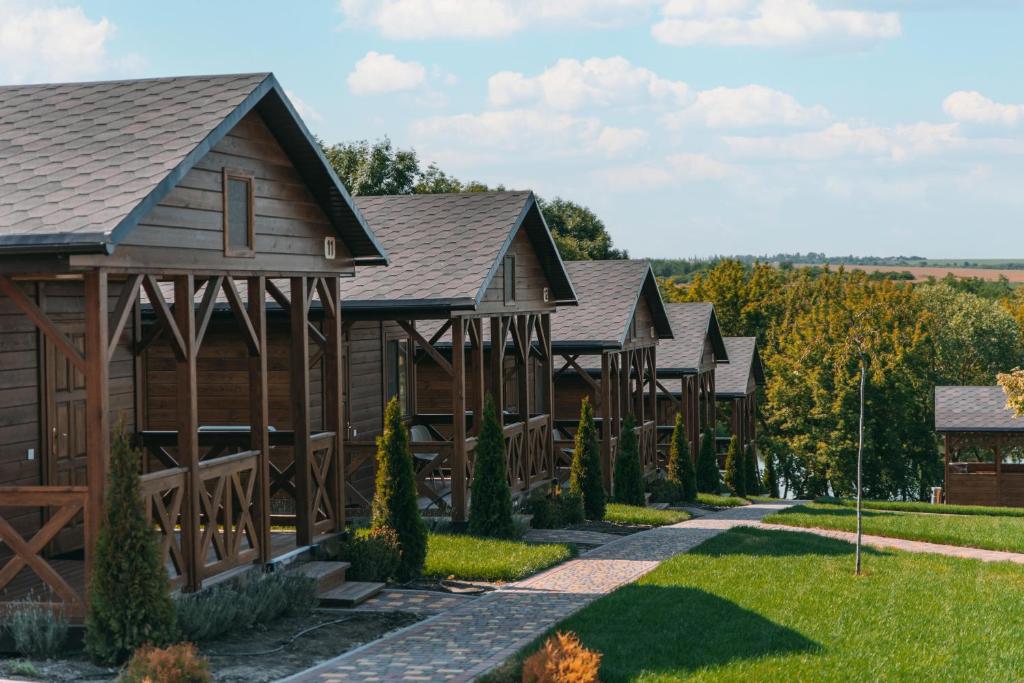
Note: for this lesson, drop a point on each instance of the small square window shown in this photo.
(239, 239)
(509, 277)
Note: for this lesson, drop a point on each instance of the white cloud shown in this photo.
(696, 167)
(570, 84)
(769, 23)
(747, 106)
(418, 19)
(306, 111)
(616, 141)
(378, 73)
(51, 42)
(674, 170)
(842, 140)
(973, 107)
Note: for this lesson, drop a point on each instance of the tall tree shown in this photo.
(578, 232)
(490, 506)
(680, 470)
(373, 168)
(629, 475)
(585, 472)
(708, 476)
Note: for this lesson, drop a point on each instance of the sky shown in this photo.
(691, 127)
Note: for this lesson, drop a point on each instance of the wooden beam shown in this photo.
(664, 390)
(459, 483)
(183, 328)
(97, 405)
(606, 421)
(327, 299)
(427, 347)
(440, 332)
(123, 311)
(585, 376)
(476, 329)
(166, 317)
(334, 395)
(548, 379)
(43, 322)
(299, 365)
(238, 309)
(498, 366)
(213, 286)
(259, 411)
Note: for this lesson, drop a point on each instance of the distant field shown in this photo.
(938, 272)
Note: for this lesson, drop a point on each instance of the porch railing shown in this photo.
(163, 493)
(226, 535)
(647, 439)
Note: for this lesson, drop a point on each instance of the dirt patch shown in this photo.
(254, 656)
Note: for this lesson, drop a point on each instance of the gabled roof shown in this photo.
(82, 163)
(733, 378)
(446, 248)
(609, 292)
(974, 409)
(694, 324)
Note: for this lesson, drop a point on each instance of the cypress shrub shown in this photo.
(628, 485)
(771, 477)
(680, 464)
(750, 471)
(585, 472)
(735, 473)
(394, 498)
(129, 596)
(708, 478)
(490, 505)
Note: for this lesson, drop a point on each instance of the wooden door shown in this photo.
(64, 426)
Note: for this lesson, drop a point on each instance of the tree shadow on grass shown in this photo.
(776, 543)
(644, 628)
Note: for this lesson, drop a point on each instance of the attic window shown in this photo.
(509, 278)
(239, 237)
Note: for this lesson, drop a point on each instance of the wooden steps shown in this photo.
(350, 594)
(328, 575)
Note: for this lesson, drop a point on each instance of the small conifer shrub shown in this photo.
(175, 664)
(628, 484)
(750, 471)
(585, 478)
(708, 478)
(680, 463)
(490, 504)
(561, 659)
(771, 477)
(735, 472)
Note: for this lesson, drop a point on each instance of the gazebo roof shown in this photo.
(974, 409)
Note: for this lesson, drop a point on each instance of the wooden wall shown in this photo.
(364, 348)
(530, 281)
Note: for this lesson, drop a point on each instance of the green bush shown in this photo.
(490, 505)
(174, 664)
(664, 491)
(750, 471)
(585, 471)
(215, 611)
(708, 478)
(735, 473)
(771, 477)
(36, 629)
(554, 507)
(129, 597)
(628, 485)
(680, 464)
(373, 553)
(540, 507)
(569, 509)
(395, 503)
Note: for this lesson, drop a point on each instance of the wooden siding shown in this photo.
(569, 392)
(644, 322)
(530, 280)
(186, 227)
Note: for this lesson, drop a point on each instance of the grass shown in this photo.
(905, 506)
(634, 514)
(721, 501)
(990, 532)
(488, 559)
(758, 605)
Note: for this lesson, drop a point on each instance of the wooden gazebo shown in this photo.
(608, 347)
(474, 271)
(176, 191)
(983, 443)
(736, 384)
(686, 371)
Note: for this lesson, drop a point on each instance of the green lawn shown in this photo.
(976, 531)
(905, 506)
(489, 559)
(633, 514)
(758, 605)
(721, 501)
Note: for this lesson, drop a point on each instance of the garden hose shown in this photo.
(282, 646)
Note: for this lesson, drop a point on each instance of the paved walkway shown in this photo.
(884, 542)
(464, 642)
(415, 601)
(570, 536)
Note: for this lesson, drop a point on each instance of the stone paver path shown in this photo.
(467, 641)
(569, 536)
(884, 542)
(416, 601)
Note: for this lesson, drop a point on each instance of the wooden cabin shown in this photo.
(736, 384)
(686, 370)
(179, 191)
(608, 350)
(473, 271)
(983, 443)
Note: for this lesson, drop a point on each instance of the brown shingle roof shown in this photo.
(974, 409)
(608, 293)
(444, 248)
(693, 325)
(80, 163)
(733, 378)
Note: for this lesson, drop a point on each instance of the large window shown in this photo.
(239, 238)
(509, 277)
(398, 372)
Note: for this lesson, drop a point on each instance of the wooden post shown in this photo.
(548, 379)
(479, 372)
(334, 397)
(97, 405)
(188, 428)
(945, 480)
(299, 367)
(259, 412)
(459, 483)
(653, 398)
(524, 329)
(606, 421)
(497, 367)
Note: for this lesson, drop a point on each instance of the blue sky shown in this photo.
(693, 127)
